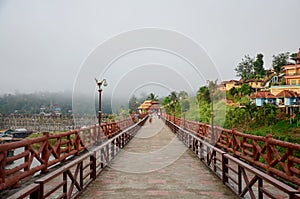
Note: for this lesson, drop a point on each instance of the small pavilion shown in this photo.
(149, 106)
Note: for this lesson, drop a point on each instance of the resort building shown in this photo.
(227, 85)
(287, 98)
(149, 106)
(260, 97)
(254, 83)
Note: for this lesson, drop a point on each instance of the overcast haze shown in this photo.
(44, 44)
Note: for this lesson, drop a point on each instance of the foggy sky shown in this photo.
(45, 44)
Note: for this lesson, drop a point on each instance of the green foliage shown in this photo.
(245, 89)
(133, 104)
(111, 117)
(32, 103)
(240, 95)
(166, 105)
(182, 95)
(122, 114)
(152, 97)
(245, 69)
(173, 102)
(280, 60)
(233, 91)
(258, 66)
(185, 105)
(203, 94)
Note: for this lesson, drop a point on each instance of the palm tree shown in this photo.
(174, 100)
(152, 97)
(166, 104)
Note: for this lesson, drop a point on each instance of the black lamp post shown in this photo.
(100, 83)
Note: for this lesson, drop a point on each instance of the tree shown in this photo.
(280, 60)
(245, 69)
(183, 95)
(212, 85)
(174, 100)
(246, 89)
(166, 104)
(133, 104)
(203, 94)
(152, 97)
(233, 91)
(185, 106)
(258, 66)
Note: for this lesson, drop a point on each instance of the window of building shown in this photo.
(293, 82)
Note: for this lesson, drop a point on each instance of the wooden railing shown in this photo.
(246, 180)
(277, 158)
(36, 155)
(71, 179)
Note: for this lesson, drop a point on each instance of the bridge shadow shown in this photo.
(156, 164)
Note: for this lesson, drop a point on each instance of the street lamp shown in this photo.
(100, 83)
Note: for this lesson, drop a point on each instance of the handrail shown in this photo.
(277, 158)
(39, 154)
(240, 177)
(72, 178)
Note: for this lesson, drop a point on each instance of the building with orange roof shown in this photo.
(255, 83)
(227, 85)
(149, 105)
(292, 77)
(287, 98)
(261, 97)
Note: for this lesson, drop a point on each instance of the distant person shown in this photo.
(158, 114)
(136, 117)
(150, 118)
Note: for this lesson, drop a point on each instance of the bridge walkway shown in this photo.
(156, 164)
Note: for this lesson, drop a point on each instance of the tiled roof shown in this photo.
(147, 104)
(155, 106)
(287, 94)
(291, 66)
(254, 80)
(261, 94)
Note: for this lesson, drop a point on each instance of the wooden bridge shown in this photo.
(190, 162)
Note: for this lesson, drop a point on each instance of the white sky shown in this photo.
(43, 44)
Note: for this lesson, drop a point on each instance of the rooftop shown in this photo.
(262, 94)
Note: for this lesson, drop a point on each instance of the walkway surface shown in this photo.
(155, 164)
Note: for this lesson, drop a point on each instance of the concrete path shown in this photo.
(155, 164)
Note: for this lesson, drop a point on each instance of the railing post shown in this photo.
(214, 154)
(112, 148)
(36, 194)
(93, 165)
(81, 175)
(46, 153)
(65, 186)
(3, 155)
(239, 179)
(26, 158)
(269, 153)
(224, 169)
(260, 185)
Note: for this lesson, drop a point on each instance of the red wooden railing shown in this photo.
(70, 179)
(39, 154)
(277, 158)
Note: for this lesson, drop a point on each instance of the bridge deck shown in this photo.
(156, 164)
